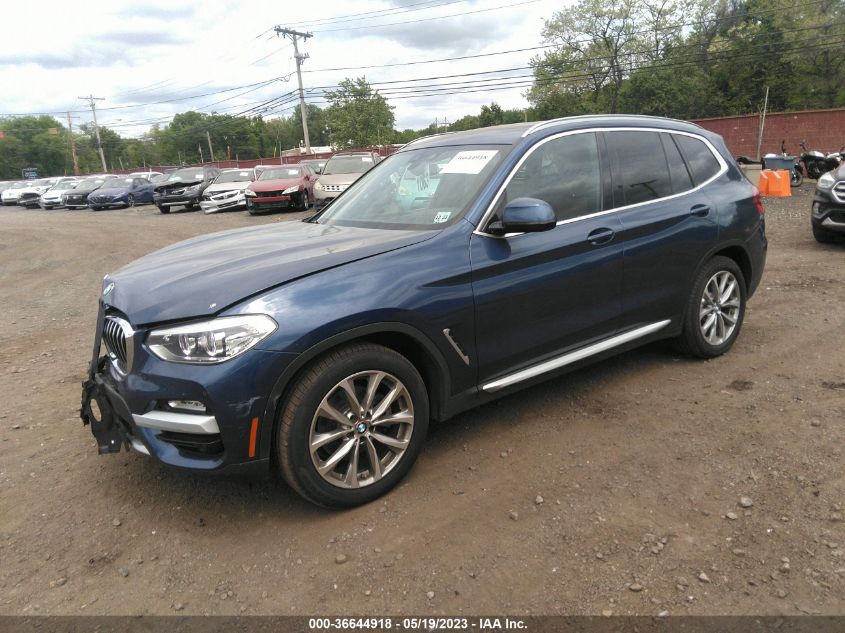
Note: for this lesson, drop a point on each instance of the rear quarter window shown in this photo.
(681, 178)
(702, 163)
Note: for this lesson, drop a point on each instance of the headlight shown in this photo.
(293, 189)
(249, 193)
(192, 190)
(212, 341)
(318, 186)
(826, 181)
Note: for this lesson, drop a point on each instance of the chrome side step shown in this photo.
(575, 356)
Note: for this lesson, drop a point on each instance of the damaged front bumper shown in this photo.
(202, 418)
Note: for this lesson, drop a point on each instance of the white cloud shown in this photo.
(139, 53)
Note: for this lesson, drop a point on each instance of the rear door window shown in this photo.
(700, 159)
(640, 171)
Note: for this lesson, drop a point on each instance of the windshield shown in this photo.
(186, 175)
(235, 176)
(117, 183)
(417, 189)
(89, 184)
(275, 173)
(20, 185)
(40, 183)
(348, 165)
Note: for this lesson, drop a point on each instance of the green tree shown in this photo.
(596, 42)
(357, 115)
(37, 141)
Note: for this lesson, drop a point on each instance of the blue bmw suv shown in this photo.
(462, 268)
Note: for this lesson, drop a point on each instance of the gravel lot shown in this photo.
(648, 483)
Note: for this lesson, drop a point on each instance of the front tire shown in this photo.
(302, 203)
(715, 310)
(824, 237)
(163, 209)
(796, 178)
(353, 425)
(130, 201)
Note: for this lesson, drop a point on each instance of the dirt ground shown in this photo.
(613, 489)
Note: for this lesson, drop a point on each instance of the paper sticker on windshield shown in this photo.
(366, 159)
(469, 162)
(441, 217)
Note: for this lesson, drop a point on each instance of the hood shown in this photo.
(38, 190)
(56, 193)
(179, 184)
(205, 275)
(277, 184)
(112, 191)
(338, 179)
(228, 186)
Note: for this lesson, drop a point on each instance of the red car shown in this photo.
(282, 187)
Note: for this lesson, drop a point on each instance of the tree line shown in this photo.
(685, 59)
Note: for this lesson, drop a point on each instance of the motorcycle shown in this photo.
(817, 163)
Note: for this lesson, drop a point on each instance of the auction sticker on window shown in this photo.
(443, 216)
(469, 162)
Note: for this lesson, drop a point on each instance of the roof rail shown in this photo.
(543, 124)
(422, 138)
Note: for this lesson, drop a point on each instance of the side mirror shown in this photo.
(524, 215)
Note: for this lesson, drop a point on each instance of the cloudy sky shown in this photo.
(153, 59)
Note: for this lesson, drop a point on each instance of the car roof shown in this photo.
(513, 133)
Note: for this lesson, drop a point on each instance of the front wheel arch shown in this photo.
(399, 337)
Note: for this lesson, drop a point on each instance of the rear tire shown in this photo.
(363, 455)
(796, 178)
(130, 201)
(163, 209)
(715, 312)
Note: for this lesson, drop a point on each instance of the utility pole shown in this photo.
(202, 160)
(762, 122)
(294, 35)
(210, 150)
(72, 146)
(91, 99)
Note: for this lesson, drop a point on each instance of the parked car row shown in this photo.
(73, 192)
(260, 189)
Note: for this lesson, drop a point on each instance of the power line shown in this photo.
(357, 17)
(439, 17)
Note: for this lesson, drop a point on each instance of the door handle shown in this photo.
(700, 210)
(597, 237)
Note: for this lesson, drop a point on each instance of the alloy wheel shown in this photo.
(361, 429)
(720, 306)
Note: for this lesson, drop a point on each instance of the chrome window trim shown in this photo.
(723, 167)
(574, 356)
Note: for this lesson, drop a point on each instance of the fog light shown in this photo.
(194, 406)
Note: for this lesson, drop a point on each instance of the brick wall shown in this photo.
(821, 129)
